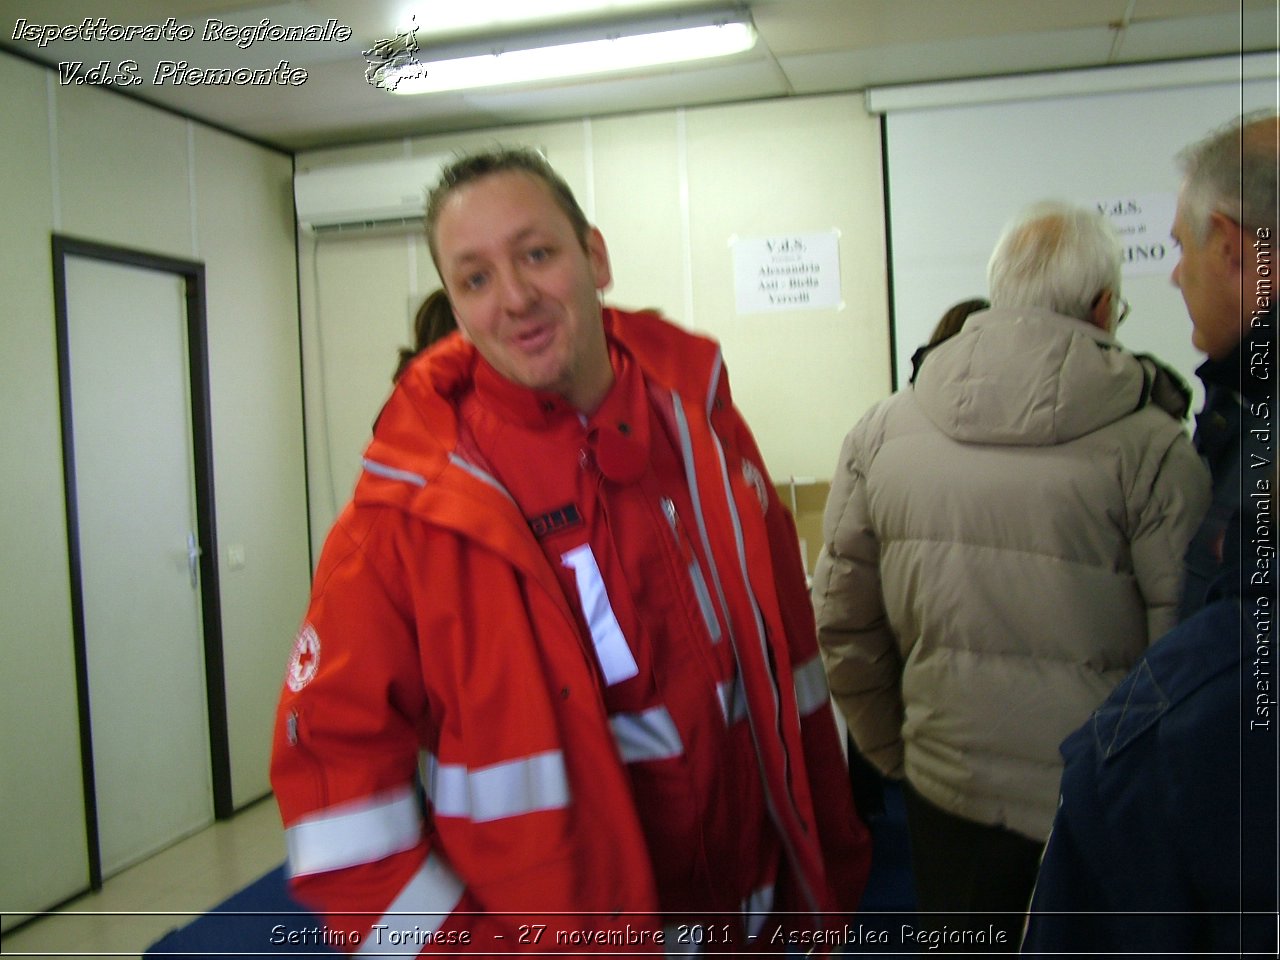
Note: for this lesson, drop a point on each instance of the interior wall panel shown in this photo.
(99, 166)
(43, 856)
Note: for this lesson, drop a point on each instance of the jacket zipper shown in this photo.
(696, 577)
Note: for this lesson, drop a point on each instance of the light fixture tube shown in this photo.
(605, 50)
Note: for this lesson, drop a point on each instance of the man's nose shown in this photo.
(517, 293)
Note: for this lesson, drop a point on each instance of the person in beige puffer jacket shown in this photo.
(1003, 539)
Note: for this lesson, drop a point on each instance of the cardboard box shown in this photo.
(806, 498)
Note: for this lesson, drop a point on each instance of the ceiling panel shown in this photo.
(946, 60)
(860, 24)
(806, 46)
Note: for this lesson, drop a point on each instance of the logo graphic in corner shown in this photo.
(388, 63)
(305, 659)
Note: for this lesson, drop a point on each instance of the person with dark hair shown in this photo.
(1164, 841)
(558, 685)
(433, 321)
(951, 322)
(1002, 540)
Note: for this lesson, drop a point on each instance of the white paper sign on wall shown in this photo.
(787, 272)
(1143, 222)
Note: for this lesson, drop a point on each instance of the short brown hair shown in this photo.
(475, 166)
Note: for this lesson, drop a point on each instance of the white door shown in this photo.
(135, 503)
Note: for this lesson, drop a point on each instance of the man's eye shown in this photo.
(474, 281)
(538, 254)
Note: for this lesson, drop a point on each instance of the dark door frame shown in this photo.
(192, 274)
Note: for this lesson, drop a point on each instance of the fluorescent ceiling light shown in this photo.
(470, 16)
(577, 53)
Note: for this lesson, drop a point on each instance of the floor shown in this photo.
(138, 906)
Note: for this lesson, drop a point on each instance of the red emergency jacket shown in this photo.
(443, 760)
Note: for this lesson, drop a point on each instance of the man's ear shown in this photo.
(1103, 311)
(598, 256)
(1226, 241)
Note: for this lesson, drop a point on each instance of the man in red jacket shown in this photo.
(558, 685)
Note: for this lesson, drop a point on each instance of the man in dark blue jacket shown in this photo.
(1165, 838)
(1225, 228)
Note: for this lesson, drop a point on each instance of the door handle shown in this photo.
(193, 559)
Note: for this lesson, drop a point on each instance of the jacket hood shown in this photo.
(417, 428)
(415, 439)
(1029, 378)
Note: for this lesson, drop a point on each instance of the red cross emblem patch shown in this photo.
(305, 659)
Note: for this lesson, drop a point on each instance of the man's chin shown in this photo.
(1201, 342)
(541, 382)
(1213, 351)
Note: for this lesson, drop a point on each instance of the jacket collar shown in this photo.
(1224, 373)
(1232, 372)
(529, 408)
(416, 433)
(618, 432)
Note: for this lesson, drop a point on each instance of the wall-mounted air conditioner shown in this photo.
(379, 195)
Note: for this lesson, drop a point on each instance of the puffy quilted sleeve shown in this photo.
(858, 647)
(1168, 500)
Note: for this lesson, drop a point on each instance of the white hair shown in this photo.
(1232, 172)
(1055, 256)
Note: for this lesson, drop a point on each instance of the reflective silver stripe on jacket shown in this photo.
(704, 601)
(696, 578)
(756, 909)
(648, 735)
(484, 476)
(418, 911)
(394, 473)
(617, 663)
(733, 700)
(695, 495)
(351, 834)
(507, 789)
(686, 451)
(810, 680)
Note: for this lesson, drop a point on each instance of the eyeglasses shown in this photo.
(1120, 302)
